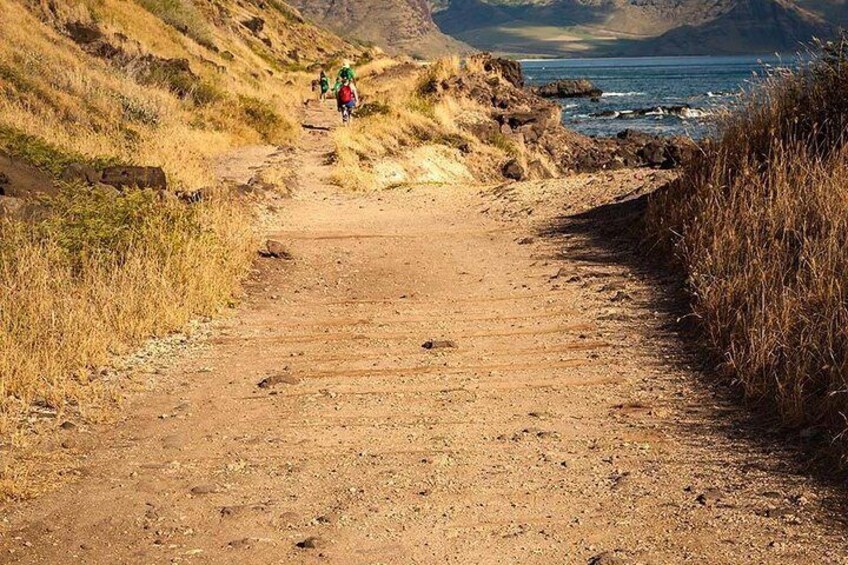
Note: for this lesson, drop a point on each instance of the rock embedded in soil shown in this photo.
(438, 344)
(275, 249)
(134, 177)
(205, 489)
(606, 558)
(512, 169)
(312, 542)
(709, 497)
(278, 379)
(80, 173)
(255, 24)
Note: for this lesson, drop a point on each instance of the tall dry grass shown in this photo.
(99, 273)
(759, 221)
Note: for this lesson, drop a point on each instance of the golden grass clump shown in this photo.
(759, 221)
(101, 272)
(399, 116)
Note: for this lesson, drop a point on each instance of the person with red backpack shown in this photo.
(346, 97)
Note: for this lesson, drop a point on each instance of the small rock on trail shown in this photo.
(438, 344)
(275, 250)
(280, 378)
(709, 497)
(205, 489)
(606, 558)
(311, 542)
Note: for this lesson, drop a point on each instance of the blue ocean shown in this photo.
(660, 95)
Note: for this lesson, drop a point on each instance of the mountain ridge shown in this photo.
(582, 28)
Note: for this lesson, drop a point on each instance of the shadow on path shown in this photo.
(613, 235)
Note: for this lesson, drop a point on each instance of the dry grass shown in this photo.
(78, 104)
(99, 272)
(401, 118)
(759, 222)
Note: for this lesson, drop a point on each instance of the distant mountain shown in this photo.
(582, 28)
(395, 25)
(638, 27)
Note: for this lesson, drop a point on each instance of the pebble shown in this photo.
(205, 489)
(311, 542)
(280, 378)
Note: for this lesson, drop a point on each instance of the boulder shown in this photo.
(543, 117)
(568, 88)
(254, 24)
(508, 69)
(653, 153)
(512, 169)
(130, 176)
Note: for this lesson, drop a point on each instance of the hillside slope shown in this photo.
(396, 25)
(152, 82)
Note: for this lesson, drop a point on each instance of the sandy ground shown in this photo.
(567, 424)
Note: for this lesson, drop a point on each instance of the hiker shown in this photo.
(323, 85)
(346, 99)
(347, 73)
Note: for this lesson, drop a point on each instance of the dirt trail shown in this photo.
(564, 426)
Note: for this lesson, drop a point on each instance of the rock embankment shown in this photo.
(568, 88)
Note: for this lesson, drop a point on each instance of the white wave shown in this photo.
(690, 113)
(614, 94)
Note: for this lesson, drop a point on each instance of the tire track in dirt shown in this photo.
(375, 450)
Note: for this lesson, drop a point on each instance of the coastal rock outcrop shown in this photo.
(568, 88)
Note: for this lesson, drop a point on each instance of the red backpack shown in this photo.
(345, 94)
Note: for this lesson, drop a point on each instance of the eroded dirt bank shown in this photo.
(565, 426)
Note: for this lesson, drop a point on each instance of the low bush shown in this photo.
(42, 154)
(262, 116)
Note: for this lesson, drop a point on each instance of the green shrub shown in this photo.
(375, 108)
(505, 144)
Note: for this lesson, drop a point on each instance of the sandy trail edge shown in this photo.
(564, 424)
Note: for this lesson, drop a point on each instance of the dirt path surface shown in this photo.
(564, 426)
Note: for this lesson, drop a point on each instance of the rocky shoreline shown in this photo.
(531, 124)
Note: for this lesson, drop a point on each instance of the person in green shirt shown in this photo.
(323, 85)
(347, 72)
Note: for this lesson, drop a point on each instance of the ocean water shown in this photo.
(660, 95)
